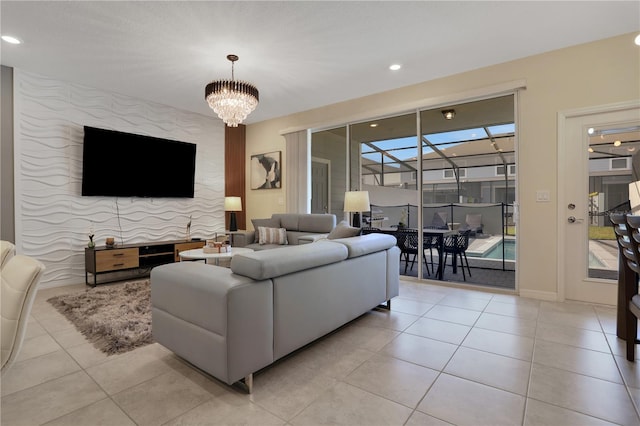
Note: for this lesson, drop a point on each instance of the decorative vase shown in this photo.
(91, 244)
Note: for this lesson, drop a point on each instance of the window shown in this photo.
(619, 163)
(511, 168)
(449, 174)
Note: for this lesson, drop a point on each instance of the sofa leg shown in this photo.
(386, 305)
(248, 382)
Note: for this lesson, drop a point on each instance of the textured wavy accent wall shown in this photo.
(53, 219)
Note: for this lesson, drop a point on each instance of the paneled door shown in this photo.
(319, 186)
(596, 146)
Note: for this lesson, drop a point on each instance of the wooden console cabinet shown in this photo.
(138, 258)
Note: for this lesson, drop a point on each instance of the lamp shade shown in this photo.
(232, 204)
(356, 201)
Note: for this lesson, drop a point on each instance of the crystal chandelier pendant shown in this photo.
(233, 100)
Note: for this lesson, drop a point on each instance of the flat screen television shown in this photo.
(122, 164)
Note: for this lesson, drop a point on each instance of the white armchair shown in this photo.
(20, 277)
(7, 251)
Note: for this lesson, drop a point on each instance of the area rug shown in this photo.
(116, 318)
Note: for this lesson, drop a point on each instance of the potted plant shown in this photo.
(91, 244)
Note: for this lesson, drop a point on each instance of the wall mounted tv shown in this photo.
(122, 164)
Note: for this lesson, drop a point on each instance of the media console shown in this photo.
(133, 257)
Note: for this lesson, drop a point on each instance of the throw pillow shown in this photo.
(268, 223)
(272, 235)
(343, 230)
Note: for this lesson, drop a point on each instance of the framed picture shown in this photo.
(266, 170)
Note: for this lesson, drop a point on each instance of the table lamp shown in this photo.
(233, 205)
(356, 202)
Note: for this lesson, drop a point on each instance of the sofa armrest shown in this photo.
(243, 238)
(366, 244)
(219, 321)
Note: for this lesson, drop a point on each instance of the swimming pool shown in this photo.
(510, 253)
(496, 251)
(594, 262)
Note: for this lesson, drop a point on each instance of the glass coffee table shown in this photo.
(199, 254)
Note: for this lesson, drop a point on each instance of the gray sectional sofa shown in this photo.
(232, 322)
(302, 228)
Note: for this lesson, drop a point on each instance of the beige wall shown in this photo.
(598, 73)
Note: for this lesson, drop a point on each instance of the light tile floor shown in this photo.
(441, 356)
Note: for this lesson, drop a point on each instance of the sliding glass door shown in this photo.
(469, 179)
(458, 172)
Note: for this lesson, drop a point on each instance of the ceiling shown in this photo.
(300, 55)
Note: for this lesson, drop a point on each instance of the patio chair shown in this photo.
(408, 243)
(430, 243)
(370, 230)
(457, 245)
(473, 223)
(439, 221)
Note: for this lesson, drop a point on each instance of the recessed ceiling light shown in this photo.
(395, 67)
(373, 125)
(637, 40)
(449, 114)
(590, 130)
(617, 143)
(10, 39)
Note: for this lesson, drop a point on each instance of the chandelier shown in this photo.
(232, 100)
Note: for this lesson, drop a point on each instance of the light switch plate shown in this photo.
(543, 196)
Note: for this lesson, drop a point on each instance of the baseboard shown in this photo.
(550, 296)
(57, 283)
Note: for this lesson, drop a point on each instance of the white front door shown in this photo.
(587, 268)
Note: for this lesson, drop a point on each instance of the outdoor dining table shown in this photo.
(439, 234)
(430, 232)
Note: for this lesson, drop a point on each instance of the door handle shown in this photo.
(573, 219)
